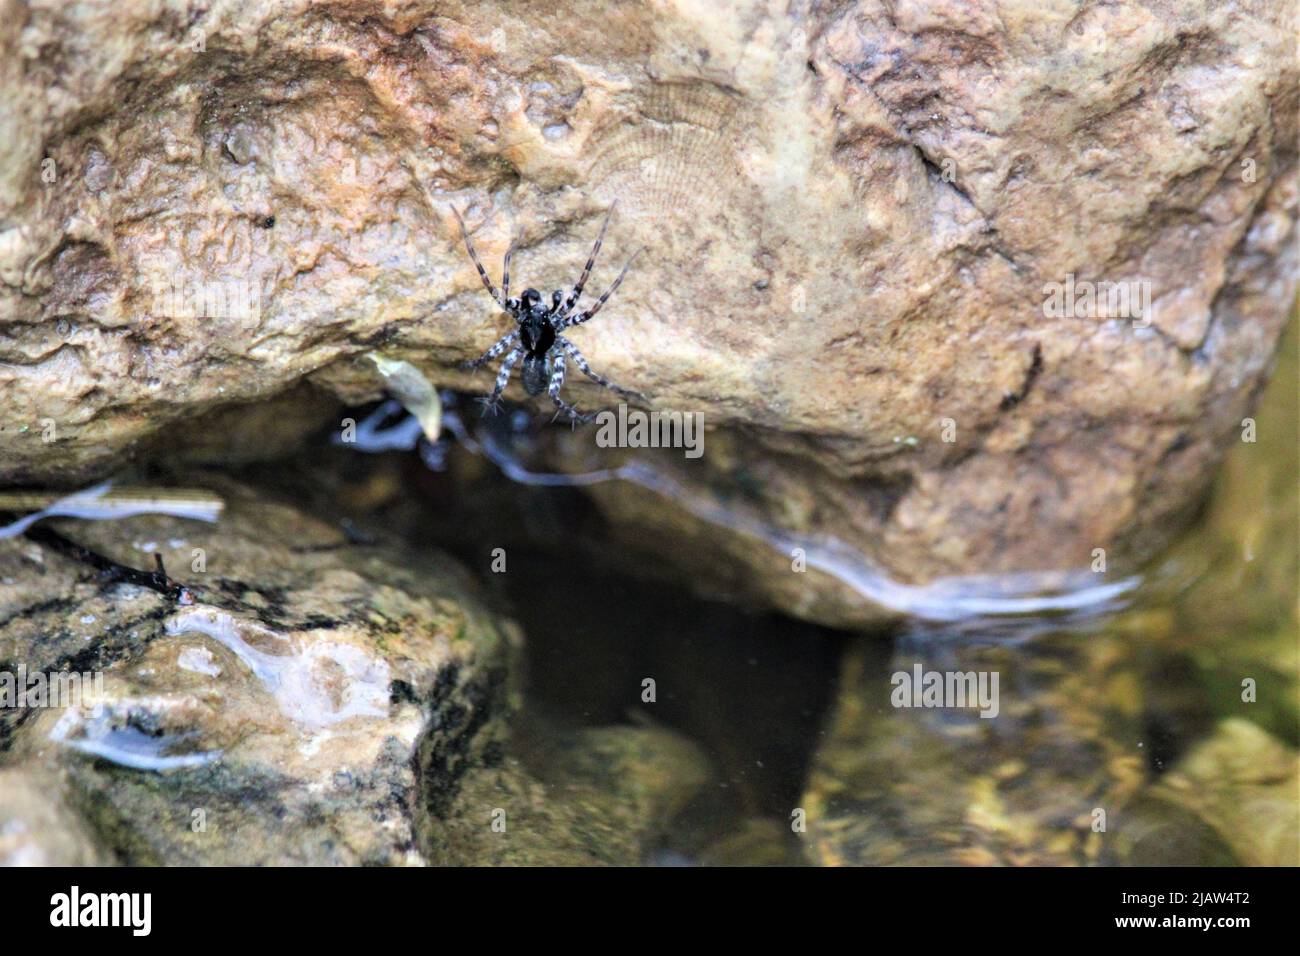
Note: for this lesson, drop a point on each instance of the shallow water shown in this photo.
(1141, 720)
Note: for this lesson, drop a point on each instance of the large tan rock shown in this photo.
(1243, 782)
(850, 218)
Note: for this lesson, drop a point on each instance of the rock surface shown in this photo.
(850, 217)
(1231, 800)
(276, 719)
(1178, 716)
(38, 829)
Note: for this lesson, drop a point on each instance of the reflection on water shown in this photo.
(1001, 603)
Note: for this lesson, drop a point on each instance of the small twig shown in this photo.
(156, 580)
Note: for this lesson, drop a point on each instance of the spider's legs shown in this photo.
(502, 344)
(557, 383)
(572, 300)
(585, 369)
(505, 275)
(482, 273)
(491, 403)
(590, 313)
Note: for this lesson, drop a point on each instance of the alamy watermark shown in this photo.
(60, 689)
(637, 429)
(946, 689)
(133, 911)
(1130, 299)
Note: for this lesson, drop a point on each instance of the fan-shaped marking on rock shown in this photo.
(675, 159)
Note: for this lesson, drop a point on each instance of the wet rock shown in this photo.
(316, 701)
(599, 796)
(1180, 713)
(850, 218)
(944, 786)
(755, 842)
(1156, 832)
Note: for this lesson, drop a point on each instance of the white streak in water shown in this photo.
(105, 734)
(951, 599)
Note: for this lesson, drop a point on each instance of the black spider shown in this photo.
(537, 338)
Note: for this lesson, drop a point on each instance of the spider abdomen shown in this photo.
(534, 374)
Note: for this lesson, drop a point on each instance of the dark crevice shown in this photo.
(1011, 399)
(935, 171)
(452, 744)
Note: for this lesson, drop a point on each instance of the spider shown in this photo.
(537, 337)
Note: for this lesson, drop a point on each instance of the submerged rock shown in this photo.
(754, 842)
(854, 218)
(310, 704)
(598, 796)
(1230, 800)
(1038, 782)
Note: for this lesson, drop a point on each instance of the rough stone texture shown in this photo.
(318, 702)
(849, 210)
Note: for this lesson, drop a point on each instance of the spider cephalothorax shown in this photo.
(537, 337)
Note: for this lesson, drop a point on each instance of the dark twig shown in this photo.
(110, 570)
